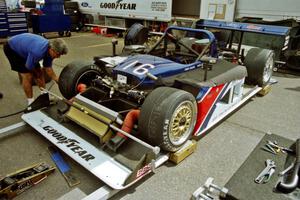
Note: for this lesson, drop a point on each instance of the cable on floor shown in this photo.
(21, 111)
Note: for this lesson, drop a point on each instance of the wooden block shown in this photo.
(184, 152)
(265, 90)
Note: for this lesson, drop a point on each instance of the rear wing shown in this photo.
(280, 32)
(244, 27)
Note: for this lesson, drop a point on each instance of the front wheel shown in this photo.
(259, 63)
(168, 117)
(75, 73)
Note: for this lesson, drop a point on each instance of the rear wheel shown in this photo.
(137, 34)
(68, 33)
(168, 117)
(259, 63)
(75, 73)
(61, 33)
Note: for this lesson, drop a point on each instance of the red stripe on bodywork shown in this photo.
(206, 104)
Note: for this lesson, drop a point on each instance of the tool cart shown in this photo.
(53, 19)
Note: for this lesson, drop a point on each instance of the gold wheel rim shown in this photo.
(181, 123)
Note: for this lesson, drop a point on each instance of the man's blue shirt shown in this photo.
(31, 47)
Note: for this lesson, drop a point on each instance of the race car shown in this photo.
(146, 102)
(166, 94)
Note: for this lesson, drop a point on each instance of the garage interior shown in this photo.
(226, 152)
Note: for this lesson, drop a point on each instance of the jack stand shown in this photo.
(209, 191)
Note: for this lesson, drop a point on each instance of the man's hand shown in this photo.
(51, 74)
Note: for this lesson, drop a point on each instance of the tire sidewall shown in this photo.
(255, 62)
(150, 109)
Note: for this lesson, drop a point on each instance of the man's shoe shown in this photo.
(1, 95)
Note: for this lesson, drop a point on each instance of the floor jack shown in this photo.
(21, 180)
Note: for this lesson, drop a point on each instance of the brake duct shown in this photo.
(128, 124)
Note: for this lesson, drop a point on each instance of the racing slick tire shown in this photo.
(75, 73)
(168, 117)
(259, 63)
(61, 33)
(137, 34)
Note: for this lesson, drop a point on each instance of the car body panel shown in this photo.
(139, 65)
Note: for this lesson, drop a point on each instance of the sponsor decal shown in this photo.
(165, 129)
(118, 5)
(193, 67)
(143, 171)
(233, 25)
(85, 4)
(253, 27)
(121, 78)
(159, 6)
(70, 143)
(23, 186)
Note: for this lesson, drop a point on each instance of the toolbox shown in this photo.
(3, 25)
(12, 23)
(3, 7)
(17, 23)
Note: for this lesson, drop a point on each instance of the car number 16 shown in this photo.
(141, 69)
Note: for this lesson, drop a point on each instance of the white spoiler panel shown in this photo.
(95, 160)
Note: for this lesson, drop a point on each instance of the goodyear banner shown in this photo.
(159, 10)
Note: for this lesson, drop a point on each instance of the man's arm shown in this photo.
(51, 74)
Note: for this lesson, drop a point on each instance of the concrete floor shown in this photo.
(218, 155)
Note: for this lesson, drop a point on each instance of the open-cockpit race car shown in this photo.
(160, 97)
